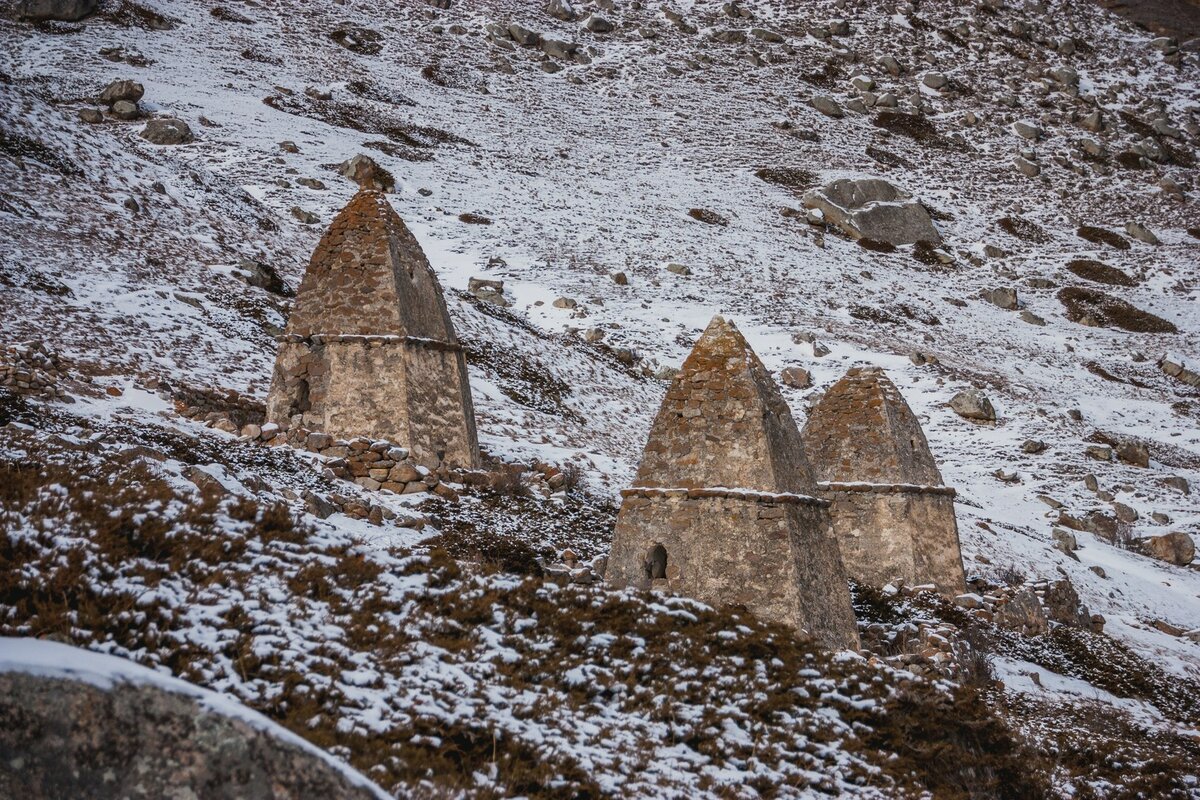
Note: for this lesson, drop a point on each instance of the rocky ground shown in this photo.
(626, 171)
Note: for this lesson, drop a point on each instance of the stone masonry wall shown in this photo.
(442, 399)
(899, 537)
(725, 550)
(724, 487)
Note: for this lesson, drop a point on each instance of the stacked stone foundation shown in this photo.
(759, 550)
(897, 534)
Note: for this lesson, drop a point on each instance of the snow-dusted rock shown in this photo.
(167, 131)
(872, 208)
(81, 724)
(973, 404)
(1174, 548)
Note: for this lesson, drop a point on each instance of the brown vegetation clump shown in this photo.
(707, 217)
(1099, 272)
(1023, 229)
(914, 126)
(1097, 309)
(795, 179)
(1102, 236)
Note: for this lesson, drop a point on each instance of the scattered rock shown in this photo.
(92, 116)
(362, 41)
(367, 174)
(1027, 130)
(1065, 541)
(125, 110)
(1174, 548)
(489, 291)
(565, 302)
(707, 217)
(1062, 605)
(57, 10)
(935, 80)
(597, 24)
(1140, 232)
(1133, 452)
(1026, 167)
(974, 405)
(1023, 614)
(167, 131)
(115, 92)
(561, 9)
(82, 724)
(1177, 483)
(1098, 452)
(1179, 371)
(1003, 297)
(827, 106)
(796, 377)
(872, 208)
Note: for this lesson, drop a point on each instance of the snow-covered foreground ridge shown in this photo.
(124, 255)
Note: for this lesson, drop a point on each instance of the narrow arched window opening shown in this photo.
(656, 562)
(300, 402)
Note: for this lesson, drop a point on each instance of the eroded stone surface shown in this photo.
(369, 348)
(724, 424)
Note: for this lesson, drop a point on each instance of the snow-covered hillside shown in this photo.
(554, 168)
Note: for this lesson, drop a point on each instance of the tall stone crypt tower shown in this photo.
(722, 507)
(893, 518)
(369, 348)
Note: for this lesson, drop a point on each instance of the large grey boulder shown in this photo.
(973, 404)
(64, 10)
(872, 208)
(79, 724)
(1174, 548)
(167, 131)
(127, 90)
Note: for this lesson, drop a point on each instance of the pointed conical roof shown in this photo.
(369, 276)
(724, 423)
(863, 430)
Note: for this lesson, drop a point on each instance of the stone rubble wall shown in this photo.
(344, 388)
(32, 369)
(768, 556)
(399, 389)
(220, 408)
